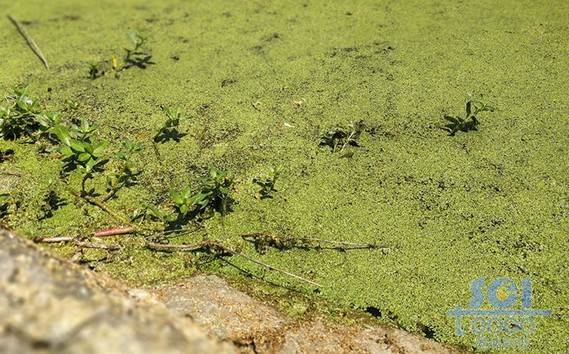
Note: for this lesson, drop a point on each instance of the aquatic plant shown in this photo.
(183, 201)
(71, 105)
(127, 174)
(170, 128)
(18, 115)
(156, 213)
(23, 116)
(342, 137)
(470, 122)
(214, 195)
(47, 122)
(267, 183)
(78, 147)
(215, 192)
(96, 70)
(138, 56)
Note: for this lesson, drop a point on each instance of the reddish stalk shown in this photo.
(115, 231)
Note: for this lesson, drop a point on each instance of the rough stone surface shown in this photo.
(52, 306)
(319, 336)
(226, 312)
(233, 315)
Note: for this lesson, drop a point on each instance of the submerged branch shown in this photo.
(263, 241)
(218, 250)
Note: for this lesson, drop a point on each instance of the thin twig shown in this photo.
(102, 246)
(78, 243)
(105, 208)
(174, 232)
(31, 43)
(157, 152)
(278, 270)
(347, 141)
(112, 213)
(219, 250)
(54, 239)
(173, 248)
(102, 206)
(113, 192)
(346, 243)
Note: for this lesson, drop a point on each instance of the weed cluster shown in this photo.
(78, 147)
(470, 121)
(342, 137)
(267, 183)
(80, 150)
(214, 195)
(170, 128)
(127, 175)
(23, 117)
(47, 122)
(18, 118)
(138, 56)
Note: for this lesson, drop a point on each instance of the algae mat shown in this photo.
(260, 81)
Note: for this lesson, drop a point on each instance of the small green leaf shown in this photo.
(199, 198)
(66, 151)
(88, 148)
(84, 156)
(62, 134)
(77, 145)
(90, 164)
(99, 149)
